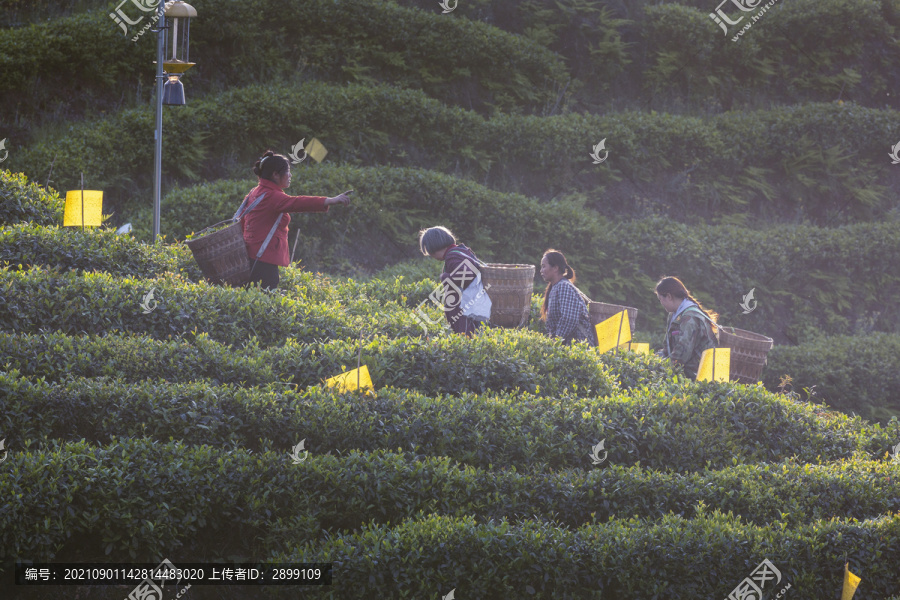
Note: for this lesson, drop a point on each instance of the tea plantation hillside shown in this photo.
(138, 436)
(146, 414)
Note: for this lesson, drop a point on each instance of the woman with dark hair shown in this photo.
(265, 222)
(460, 271)
(565, 308)
(690, 328)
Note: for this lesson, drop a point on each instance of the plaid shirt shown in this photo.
(567, 314)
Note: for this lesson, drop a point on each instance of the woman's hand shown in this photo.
(340, 199)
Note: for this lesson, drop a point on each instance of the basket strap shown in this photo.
(240, 214)
(269, 237)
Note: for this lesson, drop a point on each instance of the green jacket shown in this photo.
(687, 336)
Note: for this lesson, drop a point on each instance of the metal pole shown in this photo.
(157, 160)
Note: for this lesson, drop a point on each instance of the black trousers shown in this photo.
(265, 274)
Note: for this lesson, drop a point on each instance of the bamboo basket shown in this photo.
(222, 254)
(601, 311)
(748, 353)
(510, 288)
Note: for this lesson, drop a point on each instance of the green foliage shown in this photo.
(708, 427)
(676, 165)
(92, 250)
(348, 42)
(496, 360)
(22, 201)
(99, 303)
(630, 558)
(858, 374)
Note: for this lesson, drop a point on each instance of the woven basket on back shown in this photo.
(748, 353)
(222, 254)
(509, 288)
(601, 311)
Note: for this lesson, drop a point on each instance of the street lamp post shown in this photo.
(174, 17)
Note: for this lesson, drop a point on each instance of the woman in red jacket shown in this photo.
(259, 224)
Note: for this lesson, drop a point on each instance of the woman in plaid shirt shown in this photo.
(565, 308)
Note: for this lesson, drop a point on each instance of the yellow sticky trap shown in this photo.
(715, 365)
(315, 149)
(613, 332)
(351, 380)
(639, 347)
(93, 207)
(851, 582)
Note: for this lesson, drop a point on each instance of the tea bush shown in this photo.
(654, 427)
(707, 556)
(858, 374)
(361, 42)
(99, 249)
(23, 201)
(493, 361)
(378, 487)
(382, 125)
(97, 303)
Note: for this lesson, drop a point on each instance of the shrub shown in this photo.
(92, 250)
(705, 428)
(98, 303)
(22, 201)
(856, 374)
(494, 361)
(626, 558)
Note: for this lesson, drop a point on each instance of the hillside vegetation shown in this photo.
(137, 433)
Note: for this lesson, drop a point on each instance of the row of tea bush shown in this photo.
(658, 162)
(696, 426)
(236, 496)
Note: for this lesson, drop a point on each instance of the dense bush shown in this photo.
(460, 61)
(99, 249)
(707, 556)
(858, 374)
(98, 303)
(708, 427)
(22, 201)
(227, 517)
(541, 156)
(494, 361)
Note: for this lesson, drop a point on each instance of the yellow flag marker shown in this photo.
(93, 206)
(351, 380)
(613, 332)
(639, 347)
(715, 365)
(315, 149)
(851, 582)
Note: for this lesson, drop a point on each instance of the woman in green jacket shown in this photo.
(690, 328)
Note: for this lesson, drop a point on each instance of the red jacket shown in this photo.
(257, 223)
